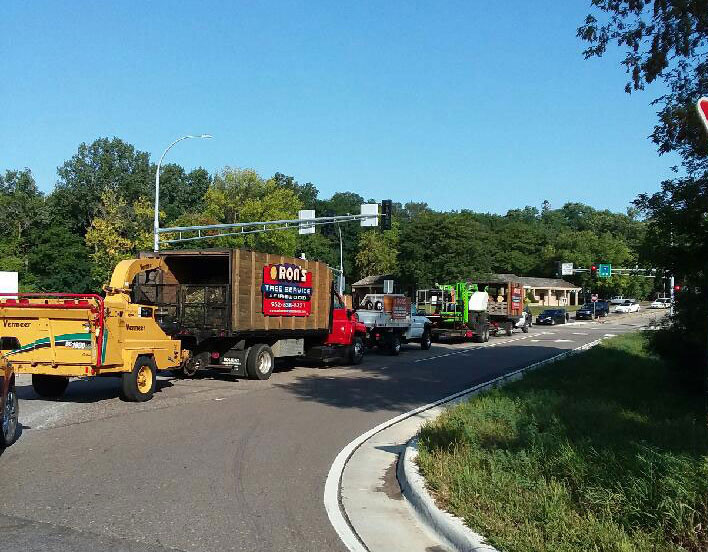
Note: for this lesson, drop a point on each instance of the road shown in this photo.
(214, 464)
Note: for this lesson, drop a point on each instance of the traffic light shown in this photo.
(593, 270)
(677, 288)
(386, 212)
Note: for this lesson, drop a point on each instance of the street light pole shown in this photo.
(341, 262)
(156, 224)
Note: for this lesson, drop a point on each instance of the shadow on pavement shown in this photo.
(89, 390)
(405, 384)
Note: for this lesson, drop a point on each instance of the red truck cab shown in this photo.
(346, 331)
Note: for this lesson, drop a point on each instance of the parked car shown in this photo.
(628, 306)
(552, 317)
(617, 300)
(593, 310)
(9, 407)
(661, 303)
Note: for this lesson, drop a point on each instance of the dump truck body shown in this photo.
(220, 303)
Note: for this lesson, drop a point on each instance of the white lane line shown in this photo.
(580, 333)
(563, 341)
(337, 517)
(610, 335)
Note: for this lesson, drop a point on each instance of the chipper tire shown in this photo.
(260, 362)
(49, 387)
(138, 385)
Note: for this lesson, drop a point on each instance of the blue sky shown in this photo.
(478, 105)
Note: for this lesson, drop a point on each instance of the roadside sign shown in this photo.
(593, 297)
(370, 209)
(605, 271)
(305, 214)
(566, 269)
(703, 111)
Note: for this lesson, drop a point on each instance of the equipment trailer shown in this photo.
(472, 310)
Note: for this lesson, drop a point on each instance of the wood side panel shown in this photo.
(235, 287)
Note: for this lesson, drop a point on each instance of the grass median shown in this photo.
(601, 451)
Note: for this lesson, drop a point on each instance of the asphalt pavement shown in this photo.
(216, 464)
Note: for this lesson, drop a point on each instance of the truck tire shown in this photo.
(394, 345)
(485, 334)
(509, 329)
(356, 351)
(260, 362)
(138, 385)
(9, 418)
(426, 340)
(525, 328)
(49, 387)
(190, 367)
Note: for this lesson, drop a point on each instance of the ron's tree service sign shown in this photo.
(287, 290)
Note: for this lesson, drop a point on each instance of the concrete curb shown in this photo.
(447, 528)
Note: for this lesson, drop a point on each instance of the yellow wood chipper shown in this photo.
(56, 336)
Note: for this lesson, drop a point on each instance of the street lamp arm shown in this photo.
(156, 222)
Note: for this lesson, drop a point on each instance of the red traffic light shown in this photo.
(677, 288)
(593, 267)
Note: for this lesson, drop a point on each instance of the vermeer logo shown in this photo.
(135, 328)
(9, 324)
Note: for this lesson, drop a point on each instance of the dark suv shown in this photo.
(552, 317)
(593, 310)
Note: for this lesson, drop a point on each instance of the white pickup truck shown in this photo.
(385, 331)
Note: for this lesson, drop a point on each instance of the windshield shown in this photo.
(587, 306)
(548, 312)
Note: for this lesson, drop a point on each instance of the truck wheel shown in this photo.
(260, 361)
(356, 351)
(138, 385)
(50, 387)
(509, 329)
(525, 328)
(425, 340)
(394, 345)
(9, 418)
(486, 334)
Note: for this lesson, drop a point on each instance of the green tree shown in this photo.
(241, 195)
(180, 192)
(59, 261)
(378, 252)
(105, 165)
(667, 41)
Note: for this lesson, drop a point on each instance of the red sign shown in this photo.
(703, 111)
(287, 290)
(401, 308)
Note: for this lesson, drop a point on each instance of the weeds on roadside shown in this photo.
(603, 451)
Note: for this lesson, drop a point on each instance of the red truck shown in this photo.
(239, 310)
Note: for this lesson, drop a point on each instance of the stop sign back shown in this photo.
(703, 111)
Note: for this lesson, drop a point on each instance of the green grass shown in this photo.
(601, 451)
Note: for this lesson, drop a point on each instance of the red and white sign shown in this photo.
(703, 111)
(401, 308)
(594, 298)
(287, 290)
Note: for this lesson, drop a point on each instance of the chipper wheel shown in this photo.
(49, 387)
(138, 385)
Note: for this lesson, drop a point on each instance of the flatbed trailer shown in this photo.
(472, 310)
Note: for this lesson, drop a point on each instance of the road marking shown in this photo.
(580, 333)
(563, 341)
(610, 335)
(337, 517)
